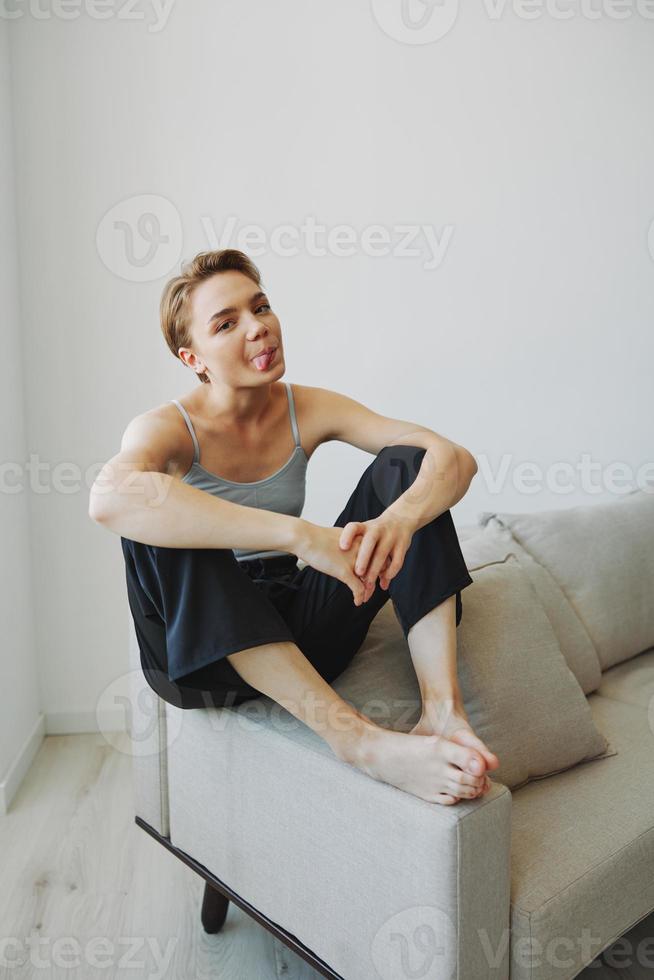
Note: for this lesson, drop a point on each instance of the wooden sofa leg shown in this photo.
(214, 909)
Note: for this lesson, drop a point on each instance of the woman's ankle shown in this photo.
(347, 740)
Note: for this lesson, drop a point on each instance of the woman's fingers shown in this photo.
(394, 566)
(365, 554)
(384, 574)
(372, 558)
(349, 533)
(357, 588)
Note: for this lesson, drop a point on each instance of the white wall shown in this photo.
(528, 142)
(21, 724)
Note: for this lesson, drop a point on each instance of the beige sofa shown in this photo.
(531, 881)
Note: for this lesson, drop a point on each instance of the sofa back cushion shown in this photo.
(602, 557)
(494, 541)
(521, 697)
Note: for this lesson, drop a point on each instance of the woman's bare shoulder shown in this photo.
(163, 427)
(312, 419)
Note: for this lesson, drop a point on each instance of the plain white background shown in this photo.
(524, 146)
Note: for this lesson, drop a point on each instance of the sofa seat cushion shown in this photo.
(632, 682)
(582, 852)
(602, 556)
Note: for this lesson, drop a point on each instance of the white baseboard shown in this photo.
(54, 723)
(16, 773)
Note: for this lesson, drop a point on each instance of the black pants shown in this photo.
(193, 606)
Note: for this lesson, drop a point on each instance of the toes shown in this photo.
(487, 785)
(466, 792)
(465, 779)
(470, 787)
(465, 737)
(465, 759)
(474, 765)
(446, 798)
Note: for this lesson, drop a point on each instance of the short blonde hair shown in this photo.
(175, 304)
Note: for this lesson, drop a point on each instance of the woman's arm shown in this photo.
(134, 497)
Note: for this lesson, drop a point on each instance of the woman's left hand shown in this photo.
(384, 542)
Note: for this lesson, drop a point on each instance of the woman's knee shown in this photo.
(394, 469)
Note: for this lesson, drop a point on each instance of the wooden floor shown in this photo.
(83, 886)
(74, 864)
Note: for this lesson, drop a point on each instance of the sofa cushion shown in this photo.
(519, 693)
(602, 556)
(494, 541)
(582, 852)
(632, 682)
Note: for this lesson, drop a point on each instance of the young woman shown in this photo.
(206, 494)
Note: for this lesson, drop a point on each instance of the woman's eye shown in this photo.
(227, 322)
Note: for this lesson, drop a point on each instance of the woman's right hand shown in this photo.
(319, 547)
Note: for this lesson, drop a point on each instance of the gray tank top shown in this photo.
(283, 492)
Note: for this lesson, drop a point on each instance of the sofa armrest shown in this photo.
(484, 885)
(365, 875)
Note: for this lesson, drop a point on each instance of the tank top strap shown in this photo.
(291, 407)
(189, 426)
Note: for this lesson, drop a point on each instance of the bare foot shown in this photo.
(436, 769)
(449, 719)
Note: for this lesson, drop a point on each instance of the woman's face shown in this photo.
(231, 322)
